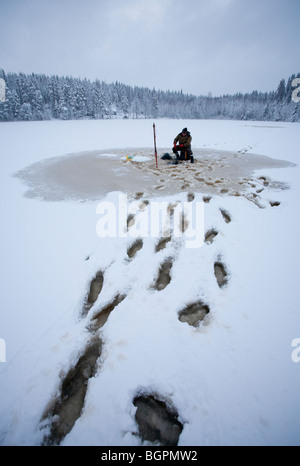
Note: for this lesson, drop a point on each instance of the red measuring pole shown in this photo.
(155, 151)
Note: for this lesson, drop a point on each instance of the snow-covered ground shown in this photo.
(232, 379)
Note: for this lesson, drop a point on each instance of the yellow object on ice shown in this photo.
(129, 157)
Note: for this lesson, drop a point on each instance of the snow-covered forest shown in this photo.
(40, 97)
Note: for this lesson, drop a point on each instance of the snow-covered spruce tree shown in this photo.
(281, 91)
(25, 112)
(295, 115)
(70, 98)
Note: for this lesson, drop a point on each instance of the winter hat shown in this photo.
(184, 130)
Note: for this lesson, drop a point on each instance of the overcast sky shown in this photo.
(199, 46)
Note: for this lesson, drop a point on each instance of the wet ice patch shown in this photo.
(88, 176)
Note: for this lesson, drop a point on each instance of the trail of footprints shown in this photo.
(156, 418)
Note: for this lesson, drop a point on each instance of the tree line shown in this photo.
(40, 97)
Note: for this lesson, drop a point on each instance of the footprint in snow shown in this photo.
(210, 235)
(221, 274)
(162, 243)
(99, 319)
(194, 313)
(95, 289)
(164, 277)
(134, 248)
(225, 215)
(157, 420)
(64, 410)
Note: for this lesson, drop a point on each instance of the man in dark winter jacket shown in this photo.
(184, 140)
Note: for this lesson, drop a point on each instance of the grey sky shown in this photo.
(222, 46)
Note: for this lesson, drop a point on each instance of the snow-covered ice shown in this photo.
(232, 379)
